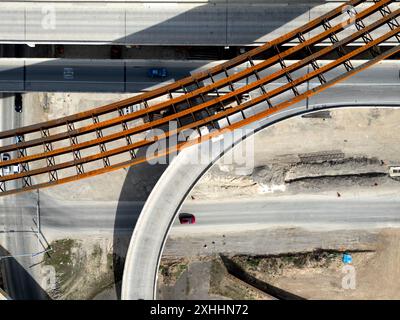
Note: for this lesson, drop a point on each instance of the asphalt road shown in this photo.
(94, 216)
(88, 216)
(87, 75)
(314, 215)
(147, 22)
(16, 236)
(131, 75)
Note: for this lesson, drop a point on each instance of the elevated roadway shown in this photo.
(88, 75)
(217, 22)
(75, 75)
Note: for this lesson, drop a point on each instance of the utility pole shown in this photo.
(39, 231)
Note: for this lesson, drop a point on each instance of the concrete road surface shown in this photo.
(161, 23)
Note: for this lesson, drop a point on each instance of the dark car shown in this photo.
(116, 52)
(5, 170)
(5, 157)
(18, 102)
(59, 51)
(187, 218)
(157, 73)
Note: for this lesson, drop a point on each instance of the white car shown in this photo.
(9, 169)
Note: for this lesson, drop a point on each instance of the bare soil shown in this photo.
(315, 274)
(83, 267)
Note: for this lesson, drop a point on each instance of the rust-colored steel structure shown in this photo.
(207, 103)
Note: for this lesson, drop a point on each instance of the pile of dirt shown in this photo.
(276, 265)
(338, 168)
(311, 175)
(215, 183)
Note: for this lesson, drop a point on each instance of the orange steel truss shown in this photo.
(108, 138)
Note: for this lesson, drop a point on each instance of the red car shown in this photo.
(187, 218)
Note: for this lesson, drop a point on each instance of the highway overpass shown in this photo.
(203, 22)
(124, 76)
(214, 100)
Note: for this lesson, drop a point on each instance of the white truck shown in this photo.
(7, 170)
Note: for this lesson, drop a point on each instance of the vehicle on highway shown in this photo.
(157, 73)
(69, 73)
(18, 102)
(11, 169)
(8, 169)
(116, 52)
(59, 51)
(187, 218)
(5, 157)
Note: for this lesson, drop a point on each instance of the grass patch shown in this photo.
(171, 270)
(97, 252)
(60, 257)
(253, 262)
(83, 269)
(275, 264)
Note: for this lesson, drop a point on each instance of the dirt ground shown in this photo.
(319, 274)
(376, 274)
(83, 268)
(353, 151)
(201, 278)
(380, 279)
(351, 176)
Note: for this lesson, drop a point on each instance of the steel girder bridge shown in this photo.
(108, 138)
